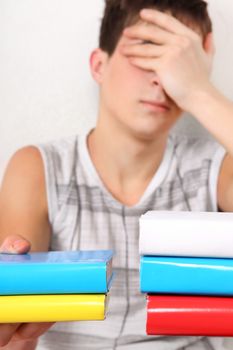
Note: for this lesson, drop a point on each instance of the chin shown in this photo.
(151, 130)
(150, 127)
(148, 134)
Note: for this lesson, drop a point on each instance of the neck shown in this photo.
(124, 162)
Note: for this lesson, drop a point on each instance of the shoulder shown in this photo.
(58, 149)
(25, 166)
(24, 176)
(194, 152)
(28, 169)
(202, 147)
(60, 156)
(23, 194)
(33, 172)
(23, 203)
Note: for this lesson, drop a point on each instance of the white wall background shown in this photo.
(46, 90)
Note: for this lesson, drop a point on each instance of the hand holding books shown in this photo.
(28, 332)
(54, 286)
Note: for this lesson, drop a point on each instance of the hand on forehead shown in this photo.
(170, 49)
(155, 24)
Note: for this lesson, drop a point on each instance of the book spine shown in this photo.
(186, 275)
(183, 315)
(52, 278)
(51, 308)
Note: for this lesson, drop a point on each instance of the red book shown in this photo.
(189, 315)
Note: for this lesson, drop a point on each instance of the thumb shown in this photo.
(15, 244)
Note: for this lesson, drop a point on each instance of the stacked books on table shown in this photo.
(186, 269)
(55, 286)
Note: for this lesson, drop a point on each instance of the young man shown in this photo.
(88, 192)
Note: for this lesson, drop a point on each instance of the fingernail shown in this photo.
(12, 248)
(9, 249)
(3, 248)
(18, 244)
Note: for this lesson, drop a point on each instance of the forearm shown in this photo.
(215, 112)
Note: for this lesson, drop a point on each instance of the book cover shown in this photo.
(173, 233)
(51, 308)
(189, 315)
(173, 275)
(56, 272)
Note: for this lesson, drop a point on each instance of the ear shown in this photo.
(98, 62)
(209, 48)
(209, 44)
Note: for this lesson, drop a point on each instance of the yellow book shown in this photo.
(51, 308)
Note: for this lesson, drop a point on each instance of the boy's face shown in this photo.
(131, 97)
(134, 98)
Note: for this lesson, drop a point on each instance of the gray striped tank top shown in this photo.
(84, 215)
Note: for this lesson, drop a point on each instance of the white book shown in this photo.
(197, 234)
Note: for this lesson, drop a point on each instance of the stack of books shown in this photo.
(186, 269)
(55, 286)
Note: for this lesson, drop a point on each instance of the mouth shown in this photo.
(155, 106)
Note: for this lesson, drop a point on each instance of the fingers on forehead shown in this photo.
(165, 21)
(150, 33)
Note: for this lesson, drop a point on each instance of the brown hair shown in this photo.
(119, 14)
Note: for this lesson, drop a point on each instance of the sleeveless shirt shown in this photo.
(84, 215)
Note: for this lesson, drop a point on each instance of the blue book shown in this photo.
(175, 275)
(78, 272)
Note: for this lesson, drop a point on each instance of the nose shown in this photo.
(157, 86)
(155, 80)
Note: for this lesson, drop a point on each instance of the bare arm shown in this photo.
(182, 62)
(24, 226)
(23, 202)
